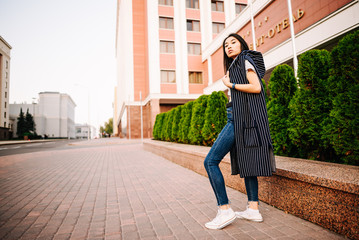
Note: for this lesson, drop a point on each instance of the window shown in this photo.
(166, 2)
(4, 124)
(195, 77)
(168, 76)
(192, 4)
(167, 47)
(217, 27)
(78, 130)
(5, 84)
(7, 64)
(6, 75)
(217, 6)
(240, 7)
(166, 23)
(5, 117)
(5, 104)
(193, 25)
(5, 94)
(194, 48)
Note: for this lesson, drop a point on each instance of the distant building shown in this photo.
(84, 131)
(5, 126)
(54, 115)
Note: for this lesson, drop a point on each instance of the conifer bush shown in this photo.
(310, 105)
(158, 126)
(176, 122)
(164, 126)
(185, 122)
(215, 117)
(197, 120)
(342, 130)
(168, 129)
(282, 85)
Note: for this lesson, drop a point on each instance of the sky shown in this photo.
(65, 46)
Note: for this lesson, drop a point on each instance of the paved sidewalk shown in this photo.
(120, 191)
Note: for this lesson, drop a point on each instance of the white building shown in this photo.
(84, 131)
(54, 115)
(5, 125)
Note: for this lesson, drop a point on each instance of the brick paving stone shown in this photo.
(119, 191)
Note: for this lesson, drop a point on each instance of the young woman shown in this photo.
(246, 135)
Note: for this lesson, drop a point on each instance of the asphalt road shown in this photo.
(12, 149)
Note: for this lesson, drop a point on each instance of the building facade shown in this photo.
(170, 51)
(85, 131)
(54, 115)
(5, 125)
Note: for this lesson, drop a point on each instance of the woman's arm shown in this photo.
(254, 85)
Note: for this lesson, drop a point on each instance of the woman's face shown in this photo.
(232, 47)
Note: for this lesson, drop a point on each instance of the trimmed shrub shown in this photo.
(197, 121)
(282, 85)
(342, 130)
(185, 123)
(310, 105)
(168, 129)
(164, 126)
(158, 126)
(215, 117)
(176, 121)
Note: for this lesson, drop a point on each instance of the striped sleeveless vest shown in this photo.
(252, 154)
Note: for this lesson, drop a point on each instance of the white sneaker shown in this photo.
(250, 214)
(223, 218)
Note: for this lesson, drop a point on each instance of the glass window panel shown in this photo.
(196, 4)
(196, 26)
(170, 23)
(162, 22)
(220, 6)
(172, 77)
(189, 25)
(162, 47)
(171, 48)
(214, 7)
(163, 76)
(188, 3)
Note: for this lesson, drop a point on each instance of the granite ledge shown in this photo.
(336, 176)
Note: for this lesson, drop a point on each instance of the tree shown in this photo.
(21, 124)
(311, 104)
(108, 127)
(215, 117)
(29, 122)
(282, 85)
(342, 130)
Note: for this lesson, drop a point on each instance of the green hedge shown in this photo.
(185, 122)
(310, 105)
(342, 129)
(215, 117)
(282, 85)
(193, 122)
(198, 110)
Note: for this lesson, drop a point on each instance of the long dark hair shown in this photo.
(227, 60)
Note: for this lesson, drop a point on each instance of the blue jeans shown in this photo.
(222, 145)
